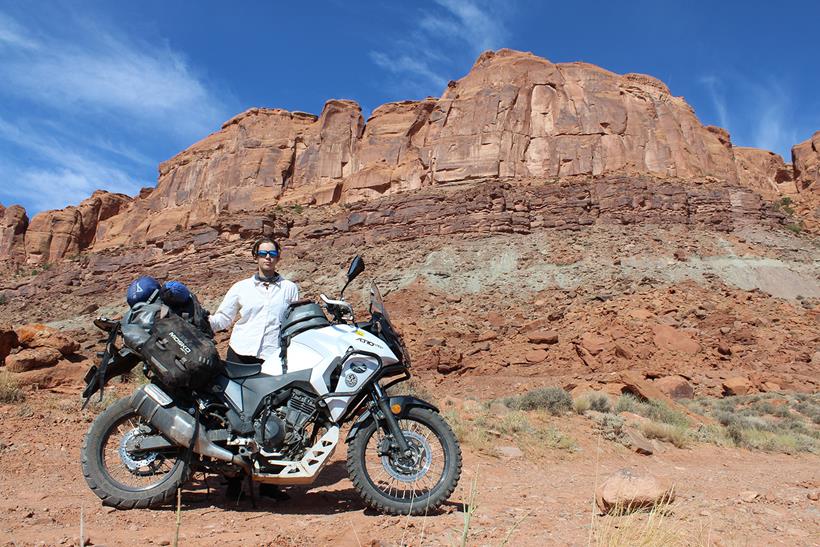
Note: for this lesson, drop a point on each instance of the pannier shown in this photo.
(181, 356)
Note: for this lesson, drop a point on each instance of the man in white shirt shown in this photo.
(261, 302)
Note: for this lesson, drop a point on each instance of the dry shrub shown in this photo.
(10, 391)
(676, 434)
(554, 400)
(592, 401)
(484, 432)
(642, 529)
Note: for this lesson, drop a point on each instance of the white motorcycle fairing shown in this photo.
(320, 352)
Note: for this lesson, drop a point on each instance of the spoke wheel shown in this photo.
(119, 474)
(412, 483)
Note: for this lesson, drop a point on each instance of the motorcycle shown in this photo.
(279, 422)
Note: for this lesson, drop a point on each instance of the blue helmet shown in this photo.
(141, 289)
(175, 294)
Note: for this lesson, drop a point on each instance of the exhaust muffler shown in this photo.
(158, 409)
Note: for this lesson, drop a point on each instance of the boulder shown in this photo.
(63, 373)
(627, 490)
(595, 343)
(637, 441)
(535, 356)
(737, 385)
(448, 361)
(669, 338)
(8, 341)
(675, 386)
(32, 358)
(543, 337)
(38, 335)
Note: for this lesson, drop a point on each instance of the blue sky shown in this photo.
(95, 94)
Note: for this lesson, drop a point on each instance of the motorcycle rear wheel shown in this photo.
(393, 484)
(124, 479)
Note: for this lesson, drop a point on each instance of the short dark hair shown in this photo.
(265, 239)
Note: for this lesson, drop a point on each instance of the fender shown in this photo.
(405, 401)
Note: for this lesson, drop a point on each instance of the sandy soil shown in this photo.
(547, 501)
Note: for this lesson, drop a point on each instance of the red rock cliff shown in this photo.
(514, 115)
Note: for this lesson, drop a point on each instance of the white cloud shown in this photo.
(712, 84)
(404, 64)
(109, 74)
(443, 39)
(62, 174)
(85, 102)
(759, 114)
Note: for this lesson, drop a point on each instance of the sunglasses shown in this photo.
(263, 254)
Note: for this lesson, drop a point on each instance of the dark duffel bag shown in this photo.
(181, 356)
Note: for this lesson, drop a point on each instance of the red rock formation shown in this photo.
(764, 172)
(54, 234)
(13, 225)
(514, 115)
(806, 160)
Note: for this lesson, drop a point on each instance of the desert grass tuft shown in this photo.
(641, 529)
(592, 401)
(10, 391)
(676, 434)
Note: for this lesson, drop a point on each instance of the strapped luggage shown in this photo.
(181, 356)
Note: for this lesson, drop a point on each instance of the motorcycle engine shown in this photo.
(285, 424)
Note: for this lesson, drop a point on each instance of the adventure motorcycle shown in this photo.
(278, 422)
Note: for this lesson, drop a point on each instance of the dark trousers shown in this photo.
(234, 357)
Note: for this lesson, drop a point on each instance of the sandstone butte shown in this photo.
(513, 116)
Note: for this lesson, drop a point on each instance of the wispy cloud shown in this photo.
(89, 106)
(712, 84)
(445, 37)
(759, 114)
(14, 35)
(59, 172)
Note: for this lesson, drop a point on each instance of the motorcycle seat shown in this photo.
(241, 370)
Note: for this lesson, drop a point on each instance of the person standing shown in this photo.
(261, 302)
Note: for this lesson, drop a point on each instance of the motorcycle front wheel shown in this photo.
(399, 484)
(118, 475)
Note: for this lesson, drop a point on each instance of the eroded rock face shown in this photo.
(764, 172)
(13, 225)
(514, 115)
(806, 160)
(54, 234)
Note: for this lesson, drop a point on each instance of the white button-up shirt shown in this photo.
(261, 307)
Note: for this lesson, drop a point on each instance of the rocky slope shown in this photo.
(513, 116)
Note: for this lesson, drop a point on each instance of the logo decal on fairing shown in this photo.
(351, 379)
(368, 342)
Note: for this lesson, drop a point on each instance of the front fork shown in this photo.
(385, 415)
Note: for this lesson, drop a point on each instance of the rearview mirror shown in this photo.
(356, 267)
